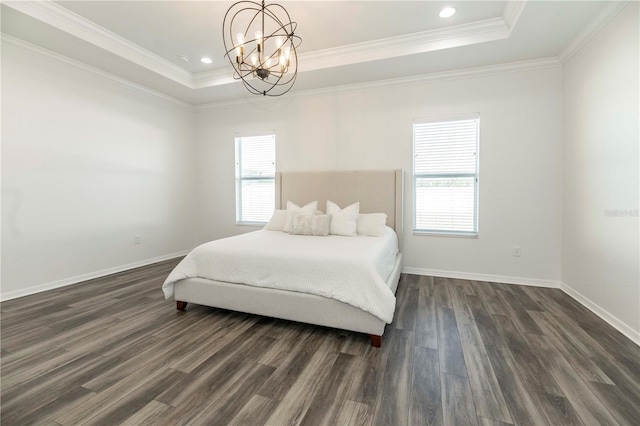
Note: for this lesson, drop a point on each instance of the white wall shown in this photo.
(520, 161)
(87, 163)
(600, 258)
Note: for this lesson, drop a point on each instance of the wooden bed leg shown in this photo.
(181, 306)
(376, 341)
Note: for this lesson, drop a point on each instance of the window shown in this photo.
(255, 178)
(445, 176)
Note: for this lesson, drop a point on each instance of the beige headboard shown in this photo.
(378, 191)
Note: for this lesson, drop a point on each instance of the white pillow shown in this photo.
(293, 208)
(277, 221)
(371, 224)
(343, 221)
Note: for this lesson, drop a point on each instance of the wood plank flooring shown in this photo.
(113, 351)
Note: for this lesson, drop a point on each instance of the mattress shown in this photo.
(352, 270)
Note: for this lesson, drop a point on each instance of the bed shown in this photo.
(377, 191)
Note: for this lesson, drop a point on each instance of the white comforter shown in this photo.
(352, 270)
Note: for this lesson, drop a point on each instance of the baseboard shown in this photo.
(536, 282)
(85, 277)
(611, 319)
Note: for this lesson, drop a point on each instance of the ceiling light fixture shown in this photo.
(206, 60)
(447, 12)
(260, 44)
(183, 58)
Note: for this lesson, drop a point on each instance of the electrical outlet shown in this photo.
(516, 251)
(136, 239)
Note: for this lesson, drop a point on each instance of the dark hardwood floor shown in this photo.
(113, 351)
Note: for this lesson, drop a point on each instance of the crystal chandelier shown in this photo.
(260, 43)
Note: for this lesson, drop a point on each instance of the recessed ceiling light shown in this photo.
(183, 58)
(206, 60)
(447, 12)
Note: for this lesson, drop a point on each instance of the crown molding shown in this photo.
(42, 53)
(594, 26)
(521, 66)
(65, 20)
(511, 67)
(426, 41)
(512, 12)
(392, 47)
(212, 78)
(409, 44)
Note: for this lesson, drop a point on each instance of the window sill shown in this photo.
(253, 224)
(445, 234)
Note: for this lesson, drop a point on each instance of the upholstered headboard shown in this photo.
(378, 191)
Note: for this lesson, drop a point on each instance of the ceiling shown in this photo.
(343, 42)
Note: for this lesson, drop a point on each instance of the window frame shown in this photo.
(238, 179)
(475, 176)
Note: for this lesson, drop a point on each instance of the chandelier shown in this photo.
(260, 43)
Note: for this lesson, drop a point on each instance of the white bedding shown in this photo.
(352, 270)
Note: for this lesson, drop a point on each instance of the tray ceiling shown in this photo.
(344, 42)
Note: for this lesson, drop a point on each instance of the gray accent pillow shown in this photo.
(307, 224)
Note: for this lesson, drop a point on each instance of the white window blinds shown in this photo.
(445, 176)
(255, 178)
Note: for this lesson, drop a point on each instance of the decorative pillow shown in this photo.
(306, 224)
(371, 224)
(293, 208)
(343, 221)
(277, 221)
